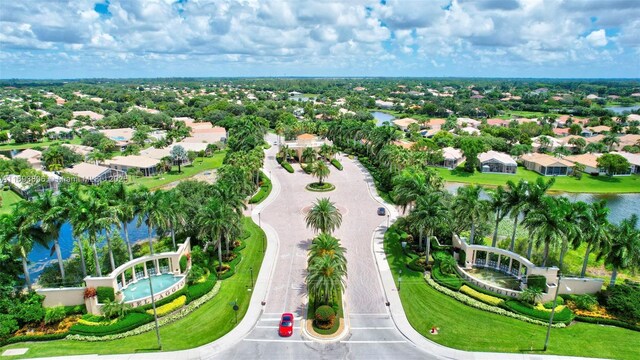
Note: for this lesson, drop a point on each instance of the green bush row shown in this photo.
(196, 291)
(264, 191)
(75, 309)
(128, 322)
(602, 321)
(336, 163)
(563, 316)
(17, 339)
(162, 301)
(487, 292)
(452, 282)
(105, 293)
(287, 166)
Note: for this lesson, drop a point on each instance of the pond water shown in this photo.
(621, 109)
(40, 257)
(381, 117)
(496, 278)
(621, 205)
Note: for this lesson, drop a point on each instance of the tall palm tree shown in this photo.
(546, 225)
(327, 245)
(308, 155)
(212, 220)
(320, 170)
(68, 200)
(46, 208)
(623, 251)
(122, 202)
(534, 196)
(499, 204)
(597, 231)
(149, 208)
(430, 211)
(324, 216)
(468, 207)
(575, 217)
(610, 139)
(516, 198)
(325, 277)
(20, 232)
(409, 185)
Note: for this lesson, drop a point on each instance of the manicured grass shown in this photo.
(206, 324)
(10, 145)
(466, 328)
(588, 183)
(198, 166)
(8, 199)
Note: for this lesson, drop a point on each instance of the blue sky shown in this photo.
(169, 38)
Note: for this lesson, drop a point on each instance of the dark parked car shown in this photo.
(382, 211)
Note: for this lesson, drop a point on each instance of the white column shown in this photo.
(146, 273)
(133, 273)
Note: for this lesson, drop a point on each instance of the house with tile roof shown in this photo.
(497, 162)
(546, 165)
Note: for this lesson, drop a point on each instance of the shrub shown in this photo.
(563, 316)
(418, 264)
(264, 191)
(75, 309)
(170, 307)
(613, 322)
(130, 321)
(452, 282)
(8, 325)
(90, 292)
(537, 281)
(105, 293)
(531, 295)
(448, 265)
(113, 309)
(195, 274)
(486, 292)
(622, 301)
(183, 263)
(287, 166)
(324, 316)
(197, 290)
(585, 302)
(54, 314)
(47, 337)
(549, 304)
(336, 163)
(487, 299)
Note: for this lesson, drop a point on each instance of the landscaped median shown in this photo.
(264, 191)
(204, 323)
(474, 328)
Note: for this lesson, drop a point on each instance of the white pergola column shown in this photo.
(133, 274)
(510, 264)
(499, 260)
(146, 273)
(486, 259)
(157, 264)
(124, 279)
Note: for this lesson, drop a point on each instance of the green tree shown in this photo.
(320, 170)
(410, 184)
(308, 155)
(546, 225)
(430, 212)
(471, 146)
(325, 277)
(613, 164)
(623, 251)
(611, 139)
(327, 245)
(324, 216)
(49, 210)
(470, 208)
(597, 231)
(179, 155)
(499, 203)
(69, 198)
(121, 200)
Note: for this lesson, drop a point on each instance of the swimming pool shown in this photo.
(495, 278)
(140, 289)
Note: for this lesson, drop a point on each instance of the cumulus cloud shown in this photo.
(597, 38)
(333, 34)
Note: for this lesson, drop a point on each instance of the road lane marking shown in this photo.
(373, 341)
(278, 340)
(381, 314)
(373, 328)
(266, 327)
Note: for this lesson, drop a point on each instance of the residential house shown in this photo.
(403, 144)
(404, 123)
(384, 104)
(435, 124)
(121, 136)
(497, 162)
(91, 114)
(33, 157)
(27, 187)
(59, 132)
(552, 143)
(599, 129)
(589, 161)
(627, 140)
(93, 174)
(146, 165)
(452, 158)
(467, 122)
(469, 130)
(546, 164)
(498, 122)
(82, 150)
(634, 160)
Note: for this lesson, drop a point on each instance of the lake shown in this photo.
(621, 205)
(40, 257)
(381, 117)
(621, 109)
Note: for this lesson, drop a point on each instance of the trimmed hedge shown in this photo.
(612, 322)
(183, 263)
(337, 164)
(75, 309)
(415, 266)
(163, 301)
(537, 281)
(264, 191)
(129, 322)
(487, 299)
(170, 307)
(564, 316)
(196, 291)
(17, 339)
(452, 282)
(487, 292)
(105, 293)
(287, 166)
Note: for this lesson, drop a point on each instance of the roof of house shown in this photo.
(306, 137)
(470, 130)
(468, 121)
(628, 139)
(28, 154)
(594, 139)
(496, 155)
(87, 171)
(59, 129)
(435, 122)
(599, 129)
(136, 161)
(634, 159)
(403, 144)
(91, 114)
(404, 122)
(561, 131)
(495, 122)
(122, 134)
(451, 153)
(79, 149)
(588, 159)
(545, 160)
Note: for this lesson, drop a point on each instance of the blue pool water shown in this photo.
(118, 138)
(141, 289)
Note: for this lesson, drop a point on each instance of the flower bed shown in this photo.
(487, 299)
(336, 163)
(128, 322)
(482, 306)
(563, 316)
(161, 322)
(170, 307)
(320, 188)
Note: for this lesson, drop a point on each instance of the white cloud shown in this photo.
(597, 38)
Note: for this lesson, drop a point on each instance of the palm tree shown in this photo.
(320, 170)
(308, 155)
(327, 245)
(535, 194)
(516, 198)
(325, 277)
(409, 185)
(546, 225)
(499, 204)
(212, 220)
(597, 230)
(575, 217)
(149, 208)
(324, 216)
(122, 202)
(68, 200)
(20, 232)
(179, 155)
(468, 207)
(610, 139)
(46, 208)
(430, 212)
(624, 249)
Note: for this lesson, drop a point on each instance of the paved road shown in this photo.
(371, 334)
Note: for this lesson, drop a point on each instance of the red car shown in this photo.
(286, 325)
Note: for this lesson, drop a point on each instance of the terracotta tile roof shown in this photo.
(588, 159)
(545, 160)
(306, 137)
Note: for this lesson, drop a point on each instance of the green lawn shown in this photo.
(8, 199)
(208, 323)
(10, 145)
(198, 166)
(588, 183)
(466, 328)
